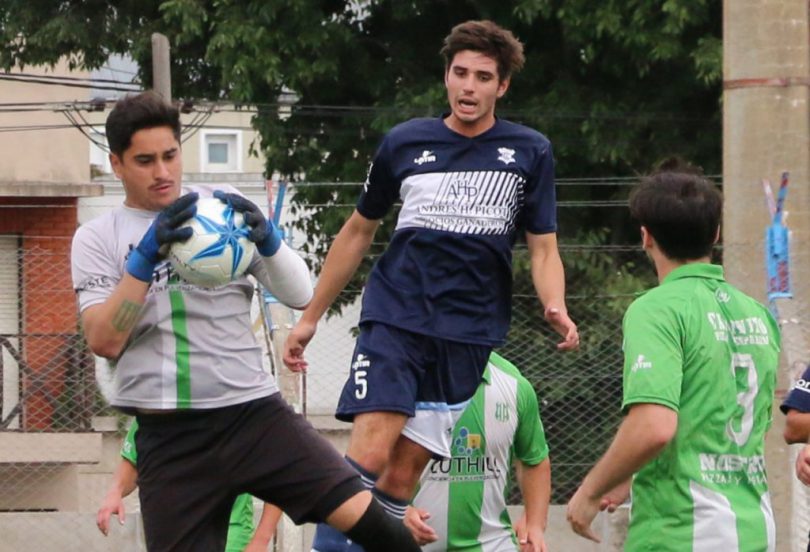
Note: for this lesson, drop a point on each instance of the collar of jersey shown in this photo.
(487, 375)
(695, 270)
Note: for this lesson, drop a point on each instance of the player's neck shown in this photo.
(471, 129)
(664, 265)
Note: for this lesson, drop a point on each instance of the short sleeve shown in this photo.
(93, 268)
(799, 396)
(530, 446)
(128, 451)
(540, 204)
(653, 357)
(381, 189)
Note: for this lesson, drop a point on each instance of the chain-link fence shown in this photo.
(59, 439)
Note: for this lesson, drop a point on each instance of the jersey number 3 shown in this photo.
(745, 398)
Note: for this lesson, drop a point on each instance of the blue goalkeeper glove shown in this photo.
(262, 231)
(163, 231)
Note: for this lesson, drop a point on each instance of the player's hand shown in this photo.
(415, 519)
(803, 465)
(297, 340)
(113, 505)
(580, 513)
(564, 326)
(262, 231)
(530, 539)
(162, 232)
(616, 497)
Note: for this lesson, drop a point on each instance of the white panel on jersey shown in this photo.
(715, 525)
(10, 324)
(770, 524)
(468, 202)
(500, 421)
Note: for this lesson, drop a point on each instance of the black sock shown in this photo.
(376, 531)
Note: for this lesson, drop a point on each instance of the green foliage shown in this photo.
(615, 84)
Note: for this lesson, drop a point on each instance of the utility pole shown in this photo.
(766, 130)
(161, 68)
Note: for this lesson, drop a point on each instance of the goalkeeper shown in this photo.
(211, 419)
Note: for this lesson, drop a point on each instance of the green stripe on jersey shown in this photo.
(180, 329)
(467, 498)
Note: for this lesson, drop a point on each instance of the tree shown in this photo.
(615, 85)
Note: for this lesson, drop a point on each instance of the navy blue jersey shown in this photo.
(799, 396)
(448, 269)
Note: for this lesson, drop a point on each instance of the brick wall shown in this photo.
(49, 319)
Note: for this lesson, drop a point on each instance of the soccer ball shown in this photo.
(218, 251)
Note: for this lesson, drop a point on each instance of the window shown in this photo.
(220, 151)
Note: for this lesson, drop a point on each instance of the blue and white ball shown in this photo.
(219, 250)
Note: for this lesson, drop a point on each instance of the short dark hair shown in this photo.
(489, 39)
(134, 113)
(680, 208)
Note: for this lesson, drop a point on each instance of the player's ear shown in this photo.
(503, 86)
(646, 238)
(717, 235)
(115, 163)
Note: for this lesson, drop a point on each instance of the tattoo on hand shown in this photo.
(126, 316)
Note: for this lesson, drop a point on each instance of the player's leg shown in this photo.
(278, 457)
(400, 478)
(442, 396)
(373, 437)
(184, 505)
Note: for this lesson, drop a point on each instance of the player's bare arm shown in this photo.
(548, 277)
(265, 530)
(345, 255)
(123, 483)
(535, 485)
(108, 325)
(797, 427)
(643, 434)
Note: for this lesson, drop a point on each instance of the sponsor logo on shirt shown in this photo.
(507, 155)
(732, 469)
(641, 364)
(361, 361)
(802, 385)
(426, 157)
(722, 296)
(747, 331)
(501, 412)
(469, 463)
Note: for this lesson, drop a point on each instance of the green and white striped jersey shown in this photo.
(699, 346)
(466, 494)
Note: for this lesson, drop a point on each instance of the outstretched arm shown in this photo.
(345, 255)
(548, 277)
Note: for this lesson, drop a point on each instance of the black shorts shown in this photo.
(192, 465)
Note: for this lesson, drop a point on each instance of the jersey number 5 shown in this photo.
(360, 384)
(745, 398)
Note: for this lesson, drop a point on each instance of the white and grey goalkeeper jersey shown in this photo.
(192, 347)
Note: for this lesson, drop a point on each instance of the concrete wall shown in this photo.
(52, 155)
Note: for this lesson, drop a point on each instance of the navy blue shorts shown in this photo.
(429, 379)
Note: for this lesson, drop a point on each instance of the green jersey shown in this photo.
(240, 526)
(466, 494)
(699, 346)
